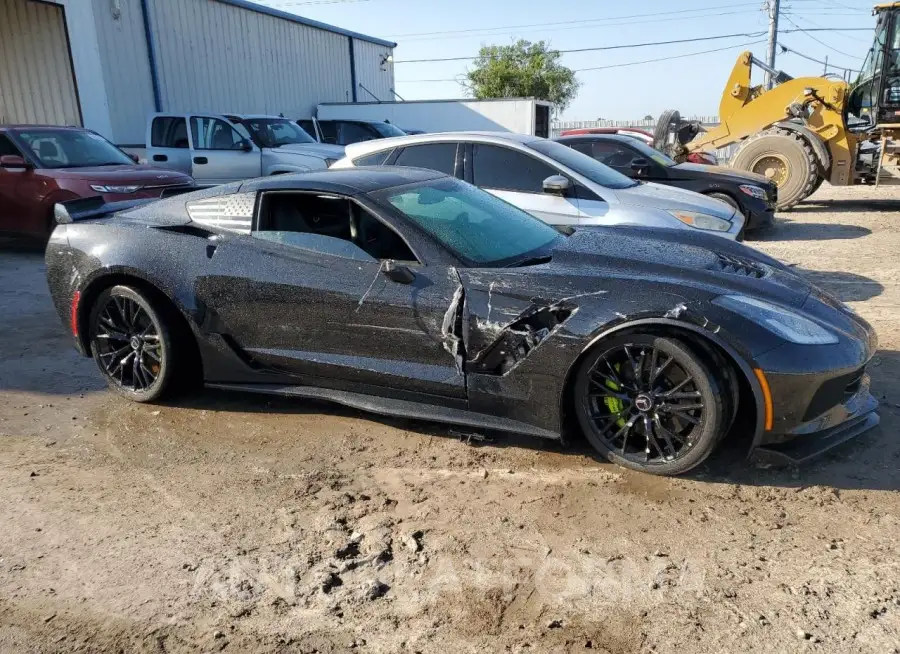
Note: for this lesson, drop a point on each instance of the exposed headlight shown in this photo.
(754, 191)
(105, 188)
(778, 320)
(702, 221)
(329, 162)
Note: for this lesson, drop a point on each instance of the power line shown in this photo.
(599, 48)
(820, 41)
(571, 22)
(785, 48)
(648, 44)
(834, 3)
(846, 36)
(580, 26)
(621, 65)
(681, 56)
(315, 2)
(307, 3)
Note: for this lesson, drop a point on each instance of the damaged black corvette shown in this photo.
(409, 293)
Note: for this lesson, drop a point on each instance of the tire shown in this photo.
(132, 344)
(667, 123)
(786, 158)
(815, 188)
(683, 407)
(727, 199)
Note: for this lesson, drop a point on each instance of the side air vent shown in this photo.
(733, 265)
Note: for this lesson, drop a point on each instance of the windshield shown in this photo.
(275, 132)
(70, 148)
(582, 164)
(479, 228)
(650, 153)
(386, 129)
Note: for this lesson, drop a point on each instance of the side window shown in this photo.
(355, 133)
(375, 159)
(214, 134)
(614, 155)
(436, 156)
(509, 170)
(583, 148)
(329, 224)
(7, 147)
(232, 213)
(329, 131)
(169, 132)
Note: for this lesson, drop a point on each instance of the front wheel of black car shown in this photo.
(649, 403)
(131, 344)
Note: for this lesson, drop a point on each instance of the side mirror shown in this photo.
(246, 146)
(557, 185)
(398, 272)
(134, 157)
(640, 166)
(13, 161)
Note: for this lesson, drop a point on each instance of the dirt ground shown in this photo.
(250, 524)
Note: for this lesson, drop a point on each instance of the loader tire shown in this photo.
(785, 158)
(815, 187)
(667, 124)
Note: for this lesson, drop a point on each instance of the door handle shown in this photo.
(201, 160)
(160, 157)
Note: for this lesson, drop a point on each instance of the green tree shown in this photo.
(522, 70)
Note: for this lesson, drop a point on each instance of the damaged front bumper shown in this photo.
(842, 423)
(819, 394)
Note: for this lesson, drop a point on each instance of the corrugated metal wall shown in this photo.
(36, 80)
(126, 68)
(221, 58)
(369, 71)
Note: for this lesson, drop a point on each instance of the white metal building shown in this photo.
(108, 64)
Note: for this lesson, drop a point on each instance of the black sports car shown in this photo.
(403, 291)
(753, 195)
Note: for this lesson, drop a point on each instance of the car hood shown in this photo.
(322, 150)
(725, 173)
(124, 174)
(658, 196)
(679, 257)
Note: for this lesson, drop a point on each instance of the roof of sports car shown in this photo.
(347, 180)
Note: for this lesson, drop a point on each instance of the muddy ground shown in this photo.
(248, 524)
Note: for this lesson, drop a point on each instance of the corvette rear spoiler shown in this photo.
(84, 208)
(95, 207)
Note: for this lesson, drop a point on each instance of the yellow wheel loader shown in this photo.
(806, 130)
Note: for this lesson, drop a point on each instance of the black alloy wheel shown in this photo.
(130, 343)
(649, 403)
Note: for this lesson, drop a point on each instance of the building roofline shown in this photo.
(262, 9)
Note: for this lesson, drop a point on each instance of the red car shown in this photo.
(42, 165)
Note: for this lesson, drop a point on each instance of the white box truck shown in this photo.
(520, 115)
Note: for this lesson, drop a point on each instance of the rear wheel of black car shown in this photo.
(132, 344)
(649, 403)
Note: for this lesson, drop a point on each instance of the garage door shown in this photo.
(36, 80)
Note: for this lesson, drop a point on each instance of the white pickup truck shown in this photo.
(215, 149)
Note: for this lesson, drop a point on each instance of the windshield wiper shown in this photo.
(531, 261)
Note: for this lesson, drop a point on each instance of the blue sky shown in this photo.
(426, 29)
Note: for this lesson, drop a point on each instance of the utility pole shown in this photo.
(773, 7)
(825, 72)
